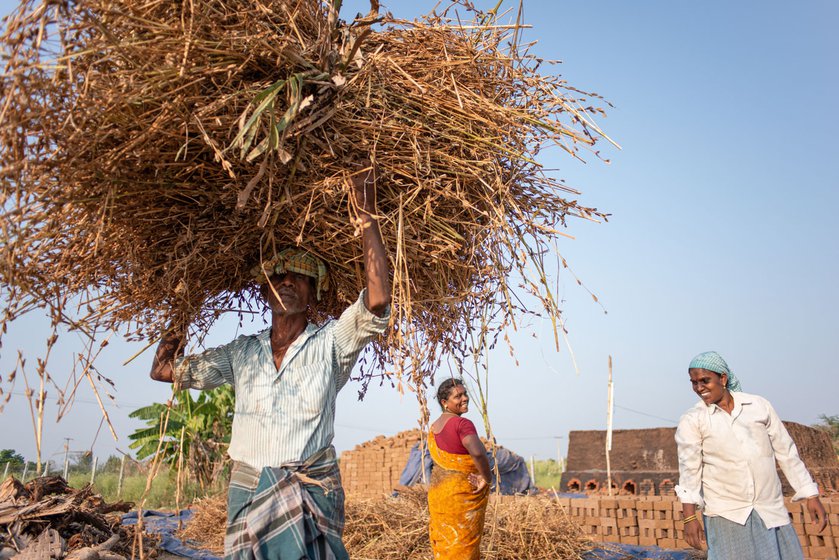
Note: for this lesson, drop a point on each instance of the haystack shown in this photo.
(152, 153)
(397, 528)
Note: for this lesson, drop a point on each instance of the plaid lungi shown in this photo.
(291, 512)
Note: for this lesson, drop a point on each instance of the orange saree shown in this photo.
(457, 514)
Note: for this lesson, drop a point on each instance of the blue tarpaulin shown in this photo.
(630, 552)
(165, 524)
(513, 471)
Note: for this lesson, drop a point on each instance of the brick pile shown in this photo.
(657, 521)
(372, 469)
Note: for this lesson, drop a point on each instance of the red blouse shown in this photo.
(451, 436)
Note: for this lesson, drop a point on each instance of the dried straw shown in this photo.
(208, 524)
(397, 528)
(152, 153)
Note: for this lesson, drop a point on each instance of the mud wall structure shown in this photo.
(645, 462)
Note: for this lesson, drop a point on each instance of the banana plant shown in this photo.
(199, 427)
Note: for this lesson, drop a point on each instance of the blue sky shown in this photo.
(723, 232)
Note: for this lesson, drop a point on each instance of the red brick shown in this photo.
(590, 529)
(821, 552)
(667, 543)
(803, 540)
(628, 531)
(627, 503)
(627, 522)
(611, 538)
(817, 541)
(647, 541)
(609, 503)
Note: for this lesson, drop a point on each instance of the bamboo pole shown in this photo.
(609, 409)
(66, 456)
(93, 471)
(121, 477)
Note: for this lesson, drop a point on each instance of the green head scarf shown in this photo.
(714, 362)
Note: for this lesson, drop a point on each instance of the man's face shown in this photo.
(294, 290)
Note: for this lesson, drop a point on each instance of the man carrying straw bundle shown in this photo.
(285, 498)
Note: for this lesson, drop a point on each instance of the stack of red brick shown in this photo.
(372, 469)
(656, 520)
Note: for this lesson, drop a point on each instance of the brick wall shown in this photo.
(656, 521)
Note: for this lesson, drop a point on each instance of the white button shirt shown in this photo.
(285, 415)
(727, 461)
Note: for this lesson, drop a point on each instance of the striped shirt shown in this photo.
(285, 415)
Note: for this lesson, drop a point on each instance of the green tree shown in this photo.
(112, 464)
(203, 423)
(10, 456)
(83, 462)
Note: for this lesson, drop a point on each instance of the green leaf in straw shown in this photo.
(263, 101)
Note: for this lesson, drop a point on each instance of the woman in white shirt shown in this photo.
(728, 445)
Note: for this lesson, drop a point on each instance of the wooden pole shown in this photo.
(532, 471)
(6, 470)
(609, 408)
(121, 475)
(25, 469)
(93, 472)
(66, 457)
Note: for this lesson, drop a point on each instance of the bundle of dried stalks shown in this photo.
(208, 524)
(47, 515)
(516, 528)
(152, 153)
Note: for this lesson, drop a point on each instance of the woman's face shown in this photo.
(710, 386)
(458, 401)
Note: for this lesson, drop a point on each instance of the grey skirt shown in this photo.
(728, 540)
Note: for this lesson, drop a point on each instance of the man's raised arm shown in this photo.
(171, 346)
(377, 296)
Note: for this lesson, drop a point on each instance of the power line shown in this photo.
(646, 414)
(109, 403)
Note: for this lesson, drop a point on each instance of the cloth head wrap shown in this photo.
(294, 260)
(714, 362)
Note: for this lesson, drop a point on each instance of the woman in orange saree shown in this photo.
(459, 489)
